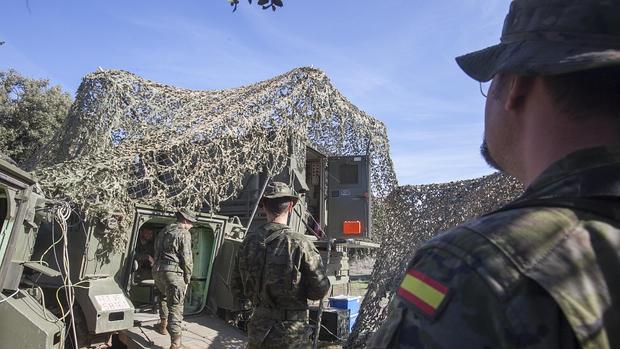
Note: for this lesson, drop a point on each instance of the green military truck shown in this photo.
(44, 256)
(24, 320)
(65, 283)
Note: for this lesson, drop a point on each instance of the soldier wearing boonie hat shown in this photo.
(187, 214)
(277, 190)
(172, 273)
(278, 270)
(542, 271)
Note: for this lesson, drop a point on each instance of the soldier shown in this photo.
(541, 272)
(145, 251)
(172, 273)
(277, 271)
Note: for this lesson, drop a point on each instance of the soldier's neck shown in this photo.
(281, 219)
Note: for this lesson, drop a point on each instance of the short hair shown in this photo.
(588, 92)
(180, 218)
(276, 206)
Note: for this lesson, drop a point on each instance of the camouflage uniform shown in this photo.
(541, 272)
(278, 270)
(172, 272)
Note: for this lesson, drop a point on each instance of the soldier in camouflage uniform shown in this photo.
(172, 273)
(277, 271)
(543, 271)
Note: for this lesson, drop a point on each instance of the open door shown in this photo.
(349, 197)
(207, 237)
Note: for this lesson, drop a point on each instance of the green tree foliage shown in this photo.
(30, 112)
(266, 4)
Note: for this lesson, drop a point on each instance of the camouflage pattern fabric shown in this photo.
(128, 140)
(173, 247)
(172, 272)
(278, 270)
(171, 287)
(549, 37)
(522, 277)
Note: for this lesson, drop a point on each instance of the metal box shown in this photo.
(26, 324)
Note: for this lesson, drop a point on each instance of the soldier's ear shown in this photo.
(519, 87)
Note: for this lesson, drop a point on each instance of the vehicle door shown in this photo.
(348, 203)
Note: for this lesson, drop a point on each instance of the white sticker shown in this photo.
(357, 158)
(112, 302)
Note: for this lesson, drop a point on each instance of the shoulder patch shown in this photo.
(423, 292)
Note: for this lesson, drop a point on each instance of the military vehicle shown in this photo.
(43, 256)
(155, 147)
(91, 292)
(335, 204)
(24, 320)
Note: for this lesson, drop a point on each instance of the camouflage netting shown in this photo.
(412, 215)
(128, 140)
(131, 141)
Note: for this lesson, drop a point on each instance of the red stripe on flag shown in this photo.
(434, 284)
(416, 301)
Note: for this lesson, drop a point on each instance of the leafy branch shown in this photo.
(266, 4)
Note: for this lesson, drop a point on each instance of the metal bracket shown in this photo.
(38, 267)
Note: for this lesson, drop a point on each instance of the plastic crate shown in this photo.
(346, 302)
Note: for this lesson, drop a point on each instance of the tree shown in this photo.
(30, 112)
(266, 4)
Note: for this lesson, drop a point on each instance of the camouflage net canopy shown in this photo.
(128, 140)
(413, 215)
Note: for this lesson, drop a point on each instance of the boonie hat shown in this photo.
(279, 190)
(549, 37)
(188, 214)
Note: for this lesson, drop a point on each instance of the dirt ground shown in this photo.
(361, 266)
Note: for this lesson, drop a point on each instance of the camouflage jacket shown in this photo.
(542, 272)
(173, 250)
(278, 268)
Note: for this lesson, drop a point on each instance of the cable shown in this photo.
(44, 308)
(62, 213)
(49, 248)
(9, 297)
(62, 309)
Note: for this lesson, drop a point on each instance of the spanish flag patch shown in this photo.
(423, 292)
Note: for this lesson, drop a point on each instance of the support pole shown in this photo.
(258, 201)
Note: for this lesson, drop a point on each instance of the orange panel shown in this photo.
(351, 227)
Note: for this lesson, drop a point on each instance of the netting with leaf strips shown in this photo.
(411, 216)
(128, 140)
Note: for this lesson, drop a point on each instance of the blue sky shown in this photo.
(393, 59)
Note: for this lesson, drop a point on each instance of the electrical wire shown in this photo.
(44, 308)
(49, 248)
(9, 297)
(62, 213)
(62, 309)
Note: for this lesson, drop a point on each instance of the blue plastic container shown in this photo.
(346, 302)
